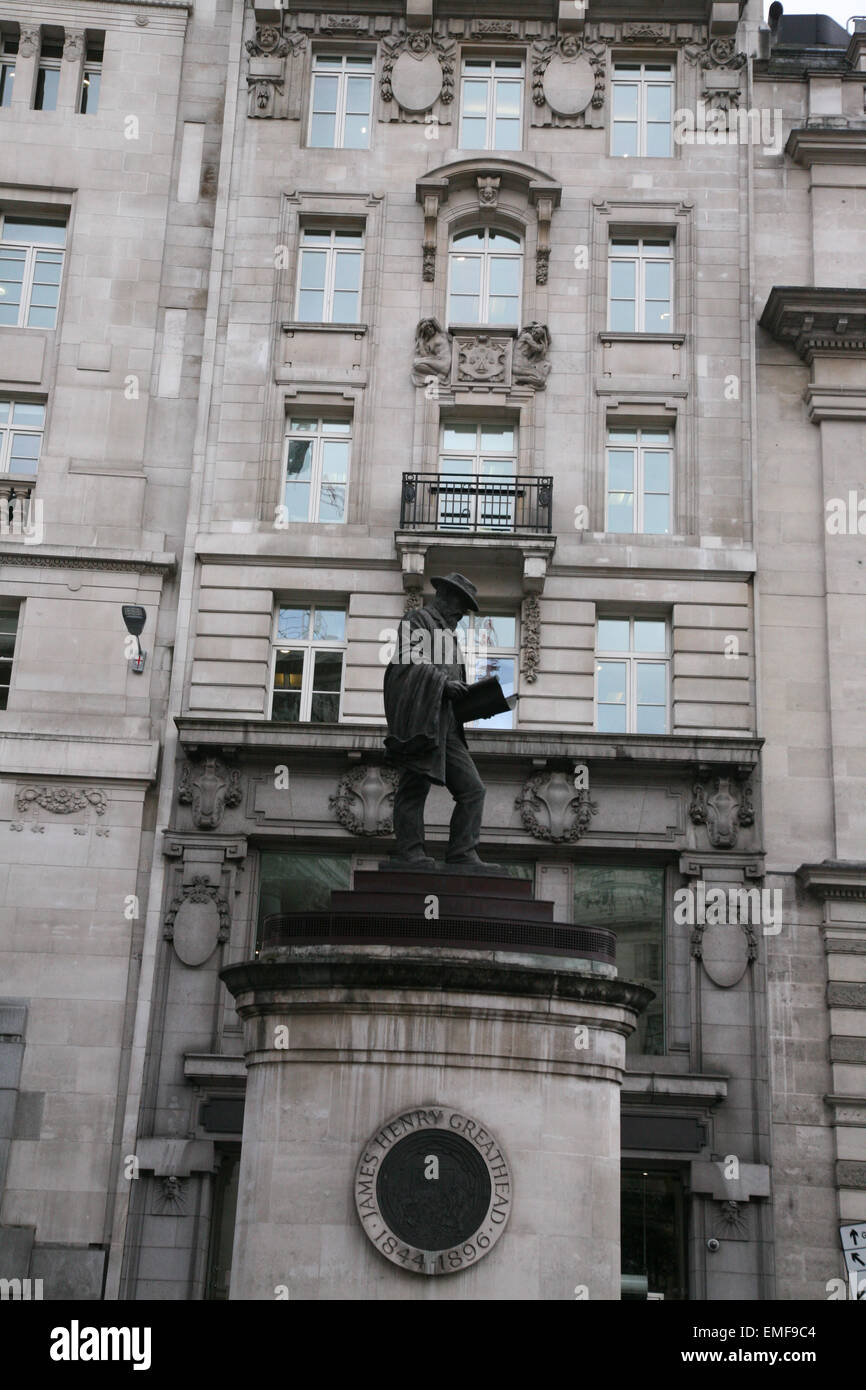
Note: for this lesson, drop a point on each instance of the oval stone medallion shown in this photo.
(568, 87)
(416, 82)
(196, 931)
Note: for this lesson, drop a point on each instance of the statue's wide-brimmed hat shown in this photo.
(464, 587)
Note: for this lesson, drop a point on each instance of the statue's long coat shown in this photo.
(419, 717)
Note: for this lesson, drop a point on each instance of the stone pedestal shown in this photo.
(429, 1121)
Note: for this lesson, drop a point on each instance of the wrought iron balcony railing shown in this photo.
(455, 502)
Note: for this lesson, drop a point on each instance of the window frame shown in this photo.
(331, 251)
(643, 84)
(9, 429)
(309, 646)
(342, 96)
(485, 256)
(32, 250)
(640, 260)
(318, 437)
(9, 44)
(92, 67)
(491, 81)
(632, 660)
(639, 476)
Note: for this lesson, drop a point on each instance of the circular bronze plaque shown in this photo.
(433, 1190)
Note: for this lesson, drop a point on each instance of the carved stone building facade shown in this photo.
(571, 302)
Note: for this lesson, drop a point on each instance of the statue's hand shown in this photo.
(454, 689)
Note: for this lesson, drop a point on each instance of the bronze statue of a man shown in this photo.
(425, 737)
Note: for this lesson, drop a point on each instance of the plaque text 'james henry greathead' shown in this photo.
(433, 1190)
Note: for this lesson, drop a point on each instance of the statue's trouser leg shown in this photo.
(467, 788)
(409, 800)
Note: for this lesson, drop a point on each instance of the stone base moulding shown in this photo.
(341, 1042)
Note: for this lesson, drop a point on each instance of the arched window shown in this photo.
(485, 272)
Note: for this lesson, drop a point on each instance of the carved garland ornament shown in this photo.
(551, 809)
(62, 801)
(364, 800)
(530, 631)
(409, 79)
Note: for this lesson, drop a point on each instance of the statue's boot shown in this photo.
(469, 860)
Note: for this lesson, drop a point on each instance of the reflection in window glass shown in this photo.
(630, 902)
(653, 1234)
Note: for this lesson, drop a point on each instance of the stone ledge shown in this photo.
(384, 969)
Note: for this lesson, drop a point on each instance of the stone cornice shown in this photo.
(834, 878)
(89, 558)
(816, 319)
(354, 741)
(808, 145)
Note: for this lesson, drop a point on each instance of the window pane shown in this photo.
(43, 295)
(311, 306)
(650, 636)
(620, 512)
(7, 81)
(651, 685)
(24, 413)
(656, 514)
(499, 240)
(48, 267)
(288, 675)
(622, 436)
(501, 440)
(622, 279)
(625, 101)
(473, 133)
(658, 317)
(658, 280)
(47, 84)
(332, 502)
(323, 131)
(313, 266)
(293, 624)
(336, 427)
(508, 99)
(325, 90)
(306, 426)
(465, 274)
(459, 437)
(330, 625)
(345, 307)
(41, 317)
(611, 719)
(463, 308)
(613, 634)
(300, 460)
(358, 95)
(90, 93)
(658, 141)
(624, 139)
(346, 237)
(651, 719)
(24, 457)
(501, 631)
(658, 102)
(502, 310)
(630, 902)
(475, 238)
(507, 135)
(620, 470)
(356, 135)
(328, 671)
(335, 460)
(474, 98)
(611, 682)
(310, 236)
(656, 471)
(34, 230)
(347, 273)
(297, 501)
(5, 409)
(504, 275)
